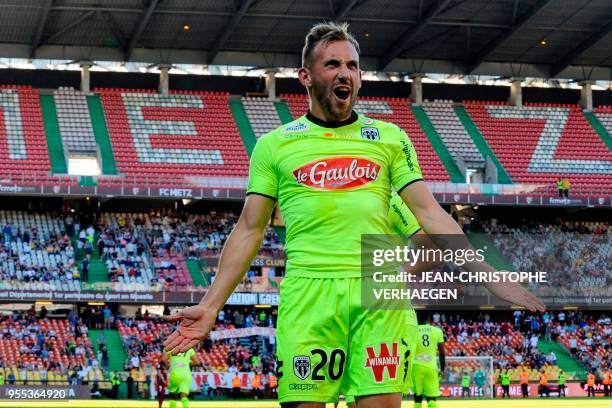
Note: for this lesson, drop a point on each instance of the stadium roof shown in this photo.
(521, 38)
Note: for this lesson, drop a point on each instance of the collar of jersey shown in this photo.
(333, 124)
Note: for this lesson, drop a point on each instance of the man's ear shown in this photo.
(304, 77)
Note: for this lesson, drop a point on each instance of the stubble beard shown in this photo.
(324, 96)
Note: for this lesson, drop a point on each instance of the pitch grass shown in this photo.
(510, 403)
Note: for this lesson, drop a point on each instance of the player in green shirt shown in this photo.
(331, 172)
(465, 384)
(505, 383)
(425, 370)
(562, 380)
(179, 378)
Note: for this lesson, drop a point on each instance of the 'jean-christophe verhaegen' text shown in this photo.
(461, 277)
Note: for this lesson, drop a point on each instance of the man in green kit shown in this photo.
(505, 383)
(465, 384)
(562, 381)
(179, 379)
(425, 370)
(115, 383)
(332, 172)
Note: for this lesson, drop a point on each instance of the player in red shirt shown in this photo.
(161, 383)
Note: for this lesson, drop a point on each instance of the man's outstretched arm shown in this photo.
(442, 357)
(241, 247)
(439, 225)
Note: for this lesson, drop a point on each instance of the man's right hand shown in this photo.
(195, 324)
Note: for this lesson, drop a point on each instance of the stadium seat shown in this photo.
(24, 156)
(172, 140)
(453, 134)
(262, 114)
(539, 144)
(75, 122)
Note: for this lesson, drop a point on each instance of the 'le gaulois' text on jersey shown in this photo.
(332, 184)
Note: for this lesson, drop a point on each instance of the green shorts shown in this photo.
(426, 381)
(179, 383)
(327, 342)
(411, 337)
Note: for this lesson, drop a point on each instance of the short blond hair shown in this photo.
(325, 33)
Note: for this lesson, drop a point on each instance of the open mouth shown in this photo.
(342, 93)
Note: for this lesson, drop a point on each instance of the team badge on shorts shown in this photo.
(370, 133)
(301, 366)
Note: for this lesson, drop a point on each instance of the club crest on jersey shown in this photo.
(385, 360)
(337, 173)
(301, 366)
(370, 133)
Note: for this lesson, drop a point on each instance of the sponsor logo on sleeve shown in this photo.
(337, 173)
(400, 214)
(407, 149)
